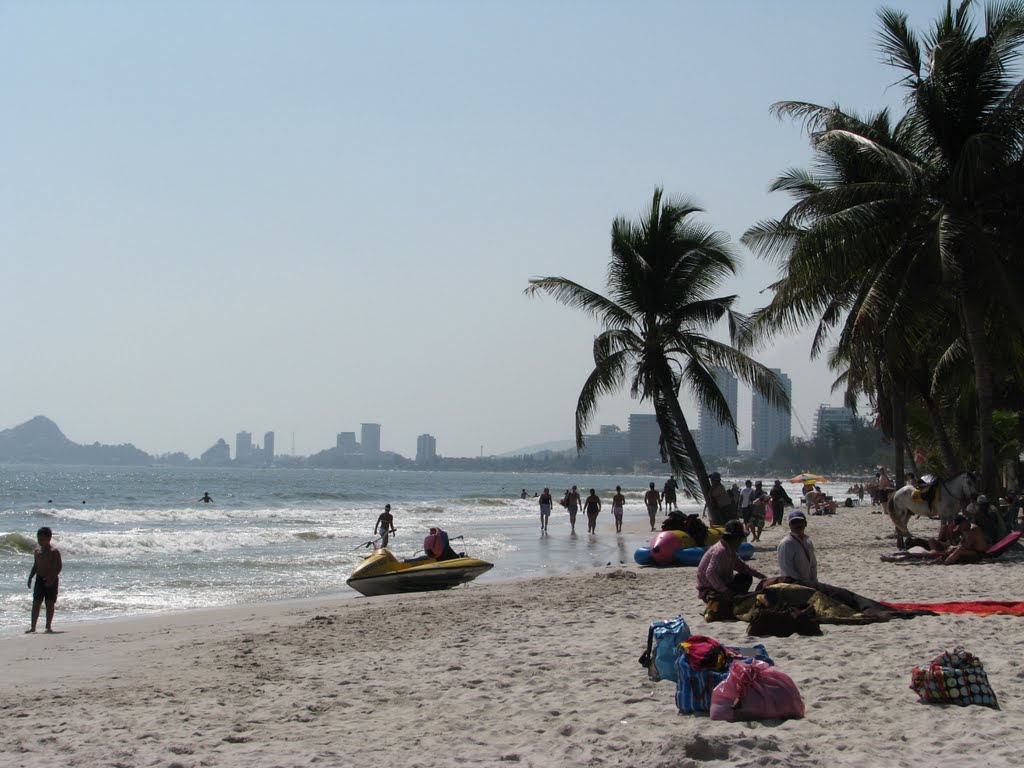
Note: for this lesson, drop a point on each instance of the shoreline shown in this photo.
(536, 671)
(555, 544)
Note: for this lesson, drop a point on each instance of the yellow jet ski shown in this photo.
(381, 573)
(384, 574)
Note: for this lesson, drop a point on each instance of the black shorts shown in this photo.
(43, 591)
(883, 494)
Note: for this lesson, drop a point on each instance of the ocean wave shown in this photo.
(148, 542)
(199, 515)
(16, 544)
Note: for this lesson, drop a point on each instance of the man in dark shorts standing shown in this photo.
(385, 525)
(669, 494)
(46, 570)
(885, 488)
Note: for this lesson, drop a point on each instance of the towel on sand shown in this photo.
(978, 607)
(832, 605)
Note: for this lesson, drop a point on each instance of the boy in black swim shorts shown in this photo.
(46, 570)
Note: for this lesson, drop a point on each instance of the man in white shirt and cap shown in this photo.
(796, 551)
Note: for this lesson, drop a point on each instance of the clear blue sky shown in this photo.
(301, 216)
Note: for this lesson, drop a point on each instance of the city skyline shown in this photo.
(327, 213)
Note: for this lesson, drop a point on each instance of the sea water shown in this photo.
(138, 540)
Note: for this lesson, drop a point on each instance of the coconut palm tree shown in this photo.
(664, 271)
(940, 193)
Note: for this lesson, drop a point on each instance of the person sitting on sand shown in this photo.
(971, 547)
(721, 573)
(949, 534)
(796, 551)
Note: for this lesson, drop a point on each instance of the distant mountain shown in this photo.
(555, 446)
(40, 441)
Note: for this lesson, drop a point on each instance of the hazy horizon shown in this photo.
(300, 217)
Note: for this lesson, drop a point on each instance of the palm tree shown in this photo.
(939, 194)
(663, 272)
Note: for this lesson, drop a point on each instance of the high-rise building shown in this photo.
(644, 435)
(243, 446)
(268, 447)
(370, 439)
(347, 442)
(832, 418)
(771, 425)
(426, 449)
(716, 439)
(609, 446)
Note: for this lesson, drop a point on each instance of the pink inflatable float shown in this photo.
(665, 544)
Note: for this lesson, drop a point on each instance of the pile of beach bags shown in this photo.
(729, 682)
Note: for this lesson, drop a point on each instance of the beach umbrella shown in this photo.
(808, 477)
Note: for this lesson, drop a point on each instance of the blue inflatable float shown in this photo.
(689, 556)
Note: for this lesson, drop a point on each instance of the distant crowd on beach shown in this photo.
(591, 505)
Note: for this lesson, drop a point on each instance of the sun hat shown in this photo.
(796, 514)
(734, 530)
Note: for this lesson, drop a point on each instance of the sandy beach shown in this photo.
(539, 672)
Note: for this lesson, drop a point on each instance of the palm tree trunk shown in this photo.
(676, 413)
(899, 433)
(973, 312)
(946, 451)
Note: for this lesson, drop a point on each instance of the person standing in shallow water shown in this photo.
(618, 503)
(206, 498)
(46, 570)
(592, 506)
(572, 503)
(652, 499)
(386, 525)
(544, 502)
(669, 494)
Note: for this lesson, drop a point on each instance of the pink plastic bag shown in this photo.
(756, 691)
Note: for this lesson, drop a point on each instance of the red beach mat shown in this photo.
(977, 607)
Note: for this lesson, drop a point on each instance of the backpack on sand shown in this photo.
(663, 639)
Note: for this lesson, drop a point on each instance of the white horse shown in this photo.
(951, 496)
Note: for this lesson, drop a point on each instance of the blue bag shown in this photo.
(663, 639)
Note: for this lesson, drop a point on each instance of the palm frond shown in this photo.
(574, 295)
(898, 45)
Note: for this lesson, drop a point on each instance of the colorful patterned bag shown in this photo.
(697, 677)
(956, 677)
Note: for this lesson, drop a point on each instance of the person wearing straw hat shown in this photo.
(721, 573)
